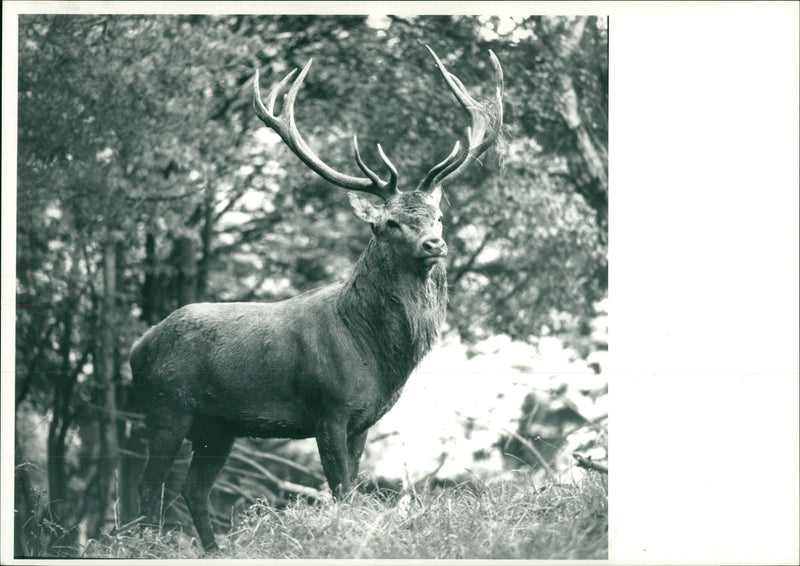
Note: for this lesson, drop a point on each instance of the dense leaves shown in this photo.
(139, 153)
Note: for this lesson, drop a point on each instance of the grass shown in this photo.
(511, 519)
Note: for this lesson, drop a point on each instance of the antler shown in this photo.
(286, 128)
(482, 132)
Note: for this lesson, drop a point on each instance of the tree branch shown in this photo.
(468, 265)
(589, 464)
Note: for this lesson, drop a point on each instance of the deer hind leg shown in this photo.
(165, 433)
(211, 445)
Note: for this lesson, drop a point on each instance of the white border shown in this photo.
(703, 264)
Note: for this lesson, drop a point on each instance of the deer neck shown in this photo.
(396, 315)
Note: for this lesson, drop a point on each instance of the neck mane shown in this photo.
(395, 314)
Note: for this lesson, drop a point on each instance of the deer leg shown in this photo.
(211, 449)
(355, 447)
(165, 435)
(333, 452)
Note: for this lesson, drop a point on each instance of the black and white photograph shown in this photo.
(375, 281)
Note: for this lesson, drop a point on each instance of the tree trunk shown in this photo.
(206, 235)
(56, 435)
(60, 500)
(25, 505)
(107, 421)
(150, 285)
(63, 385)
(595, 156)
(186, 281)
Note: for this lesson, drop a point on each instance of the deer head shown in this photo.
(408, 224)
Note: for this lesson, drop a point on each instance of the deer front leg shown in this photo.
(333, 452)
(355, 447)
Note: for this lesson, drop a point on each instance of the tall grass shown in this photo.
(510, 519)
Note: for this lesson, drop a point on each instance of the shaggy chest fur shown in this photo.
(396, 316)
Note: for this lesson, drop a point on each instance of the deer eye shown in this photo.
(440, 218)
(392, 225)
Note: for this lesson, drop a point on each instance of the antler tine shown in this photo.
(363, 166)
(392, 183)
(425, 184)
(273, 94)
(390, 166)
(284, 125)
(481, 120)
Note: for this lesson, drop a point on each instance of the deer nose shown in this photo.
(434, 247)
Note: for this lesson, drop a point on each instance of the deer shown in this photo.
(326, 364)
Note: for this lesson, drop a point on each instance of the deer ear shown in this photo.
(363, 209)
(436, 194)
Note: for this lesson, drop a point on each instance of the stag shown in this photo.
(326, 364)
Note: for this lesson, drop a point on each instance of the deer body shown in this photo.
(326, 364)
(274, 370)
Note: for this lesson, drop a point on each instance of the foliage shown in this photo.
(511, 519)
(145, 182)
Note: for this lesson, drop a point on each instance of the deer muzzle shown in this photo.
(432, 250)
